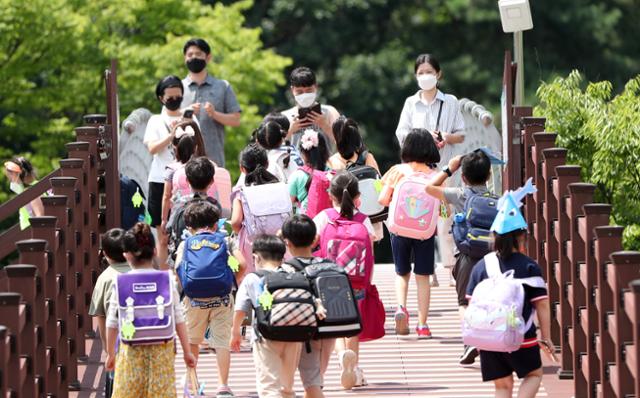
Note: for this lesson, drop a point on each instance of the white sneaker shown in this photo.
(348, 377)
(360, 380)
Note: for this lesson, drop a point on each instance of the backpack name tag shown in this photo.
(199, 244)
(149, 287)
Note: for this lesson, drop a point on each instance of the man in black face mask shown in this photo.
(213, 101)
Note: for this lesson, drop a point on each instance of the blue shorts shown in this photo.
(407, 251)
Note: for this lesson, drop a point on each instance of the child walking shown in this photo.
(146, 355)
(282, 157)
(419, 155)
(510, 237)
(249, 203)
(308, 185)
(207, 282)
(346, 237)
(275, 361)
(299, 234)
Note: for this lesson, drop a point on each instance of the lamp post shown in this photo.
(516, 18)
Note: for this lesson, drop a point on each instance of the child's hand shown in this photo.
(110, 363)
(190, 359)
(549, 349)
(236, 339)
(454, 163)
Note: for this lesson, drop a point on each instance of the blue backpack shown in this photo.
(204, 270)
(471, 227)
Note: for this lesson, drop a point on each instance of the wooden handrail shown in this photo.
(9, 208)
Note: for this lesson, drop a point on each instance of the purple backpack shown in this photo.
(145, 307)
(493, 321)
(265, 208)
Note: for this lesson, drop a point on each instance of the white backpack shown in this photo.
(493, 320)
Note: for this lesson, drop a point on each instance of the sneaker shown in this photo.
(468, 356)
(348, 375)
(423, 332)
(360, 380)
(434, 281)
(402, 321)
(224, 392)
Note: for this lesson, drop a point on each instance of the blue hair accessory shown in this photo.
(495, 159)
(509, 217)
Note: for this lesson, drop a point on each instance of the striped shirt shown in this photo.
(417, 113)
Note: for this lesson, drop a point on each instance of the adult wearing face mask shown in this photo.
(21, 175)
(213, 101)
(158, 138)
(305, 93)
(439, 113)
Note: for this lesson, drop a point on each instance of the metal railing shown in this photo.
(44, 298)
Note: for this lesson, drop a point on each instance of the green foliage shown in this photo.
(602, 134)
(53, 53)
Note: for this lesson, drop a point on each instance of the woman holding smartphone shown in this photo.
(439, 113)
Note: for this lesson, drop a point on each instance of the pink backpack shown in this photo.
(220, 190)
(265, 208)
(493, 321)
(347, 243)
(318, 194)
(413, 213)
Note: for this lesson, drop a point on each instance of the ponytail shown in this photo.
(344, 189)
(260, 175)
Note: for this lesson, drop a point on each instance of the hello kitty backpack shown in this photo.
(413, 213)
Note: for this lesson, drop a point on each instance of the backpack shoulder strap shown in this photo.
(492, 265)
(362, 157)
(359, 217)
(332, 214)
(295, 263)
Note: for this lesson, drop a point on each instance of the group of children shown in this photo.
(292, 207)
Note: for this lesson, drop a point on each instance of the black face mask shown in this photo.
(173, 103)
(196, 65)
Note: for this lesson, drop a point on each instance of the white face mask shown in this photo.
(427, 81)
(305, 100)
(16, 187)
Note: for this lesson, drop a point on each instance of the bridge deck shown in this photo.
(393, 366)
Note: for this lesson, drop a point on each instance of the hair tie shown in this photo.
(185, 132)
(309, 139)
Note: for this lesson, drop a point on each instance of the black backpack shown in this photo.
(290, 314)
(367, 177)
(330, 283)
(129, 212)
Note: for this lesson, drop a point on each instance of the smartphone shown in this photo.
(188, 114)
(303, 112)
(439, 134)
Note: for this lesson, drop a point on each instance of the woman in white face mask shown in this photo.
(21, 175)
(439, 113)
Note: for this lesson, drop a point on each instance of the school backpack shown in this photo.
(220, 190)
(204, 270)
(131, 210)
(413, 213)
(265, 208)
(347, 243)
(471, 227)
(145, 307)
(330, 283)
(318, 192)
(286, 308)
(277, 159)
(176, 227)
(493, 321)
(368, 183)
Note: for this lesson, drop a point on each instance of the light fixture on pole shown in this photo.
(516, 18)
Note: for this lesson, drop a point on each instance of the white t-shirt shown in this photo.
(158, 129)
(322, 220)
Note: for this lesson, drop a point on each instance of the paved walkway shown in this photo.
(393, 366)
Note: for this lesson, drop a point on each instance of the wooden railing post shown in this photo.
(579, 195)
(608, 240)
(66, 186)
(13, 315)
(632, 303)
(22, 280)
(596, 215)
(56, 205)
(530, 125)
(565, 175)
(551, 158)
(5, 347)
(624, 268)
